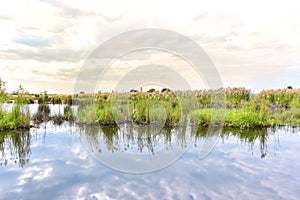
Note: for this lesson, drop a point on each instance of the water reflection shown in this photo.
(15, 147)
(136, 149)
(134, 138)
(152, 141)
(249, 137)
(42, 114)
(153, 138)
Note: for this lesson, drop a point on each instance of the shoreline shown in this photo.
(206, 108)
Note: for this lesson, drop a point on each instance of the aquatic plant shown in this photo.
(42, 114)
(19, 117)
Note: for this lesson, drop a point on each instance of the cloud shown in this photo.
(47, 55)
(239, 37)
(68, 11)
(5, 17)
(33, 41)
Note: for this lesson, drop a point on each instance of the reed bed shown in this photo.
(229, 107)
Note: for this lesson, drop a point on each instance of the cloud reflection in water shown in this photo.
(61, 168)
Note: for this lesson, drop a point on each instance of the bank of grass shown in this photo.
(229, 107)
(19, 117)
(268, 108)
(240, 108)
(241, 117)
(16, 119)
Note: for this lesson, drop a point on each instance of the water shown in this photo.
(71, 162)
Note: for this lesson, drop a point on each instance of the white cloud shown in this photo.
(35, 173)
(260, 37)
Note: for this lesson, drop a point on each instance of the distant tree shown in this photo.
(165, 90)
(133, 90)
(82, 92)
(290, 87)
(151, 90)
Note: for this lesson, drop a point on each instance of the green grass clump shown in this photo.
(248, 116)
(244, 118)
(86, 114)
(18, 117)
(104, 114)
(156, 109)
(15, 119)
(68, 113)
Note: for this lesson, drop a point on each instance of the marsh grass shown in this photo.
(42, 114)
(229, 107)
(67, 115)
(240, 108)
(18, 118)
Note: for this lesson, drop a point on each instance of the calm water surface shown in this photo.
(62, 162)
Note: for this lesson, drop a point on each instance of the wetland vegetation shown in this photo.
(236, 108)
(228, 107)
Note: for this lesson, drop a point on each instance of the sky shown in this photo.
(44, 44)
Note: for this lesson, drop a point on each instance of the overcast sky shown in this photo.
(44, 43)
